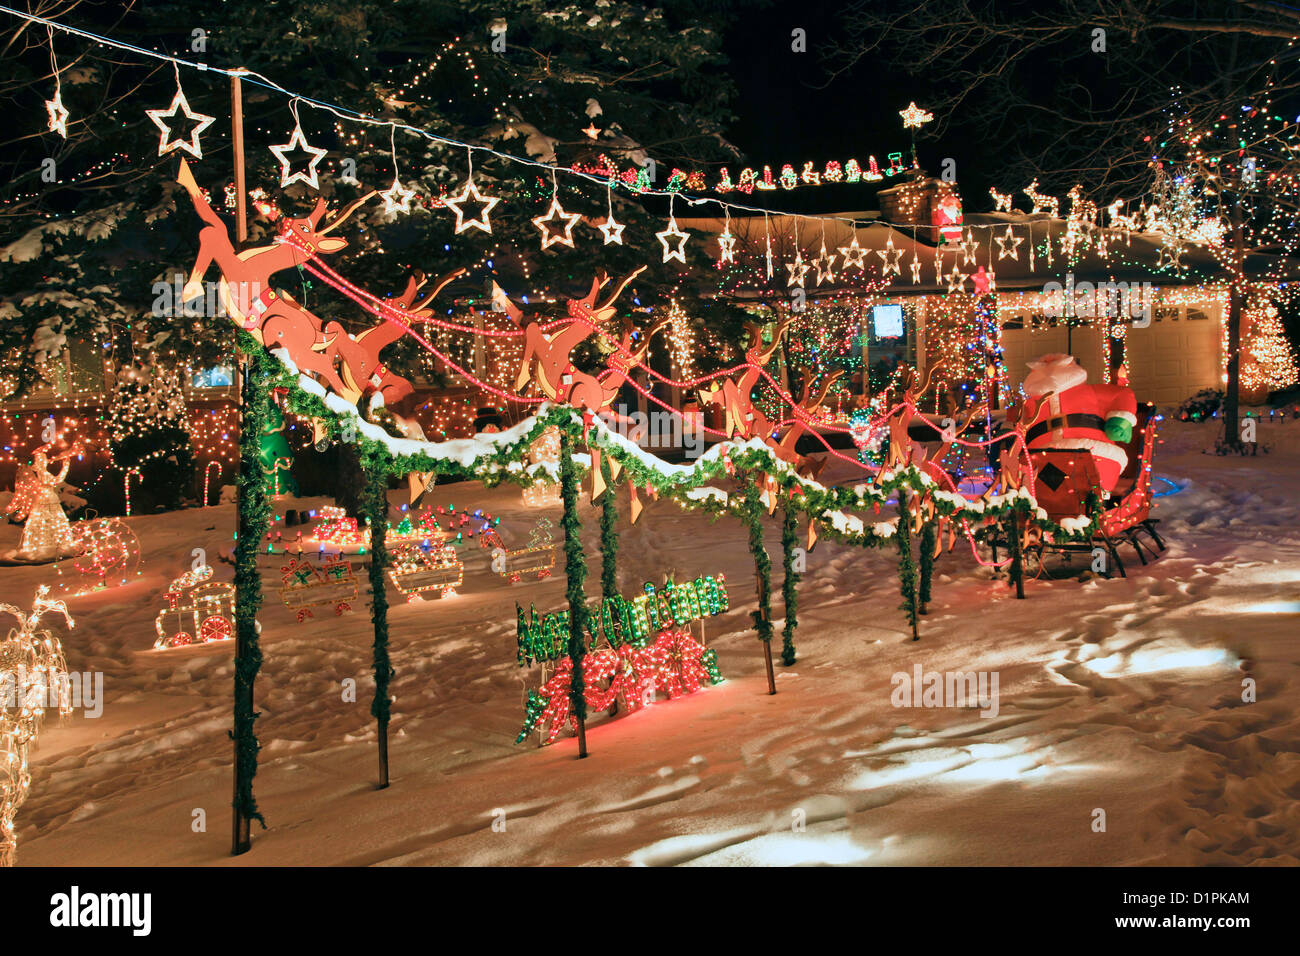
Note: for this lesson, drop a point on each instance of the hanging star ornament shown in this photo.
(470, 194)
(916, 270)
(58, 114)
(798, 269)
(956, 279)
(1008, 244)
(726, 247)
(559, 235)
(397, 198)
(612, 230)
(298, 143)
(968, 246)
(768, 256)
(201, 122)
(890, 258)
(824, 264)
(854, 255)
(672, 231)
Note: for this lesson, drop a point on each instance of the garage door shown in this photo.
(1175, 357)
(1021, 346)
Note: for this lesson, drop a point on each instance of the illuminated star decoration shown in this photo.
(767, 237)
(611, 228)
(298, 143)
(955, 279)
(890, 258)
(798, 269)
(397, 198)
(854, 255)
(201, 122)
(968, 246)
(1008, 244)
(592, 131)
(824, 264)
(58, 114)
(726, 246)
(557, 235)
(673, 232)
(981, 280)
(916, 270)
(469, 194)
(914, 118)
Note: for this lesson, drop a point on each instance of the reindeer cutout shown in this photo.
(547, 354)
(272, 316)
(785, 449)
(733, 396)
(900, 443)
(363, 372)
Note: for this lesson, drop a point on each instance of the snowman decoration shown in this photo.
(1063, 411)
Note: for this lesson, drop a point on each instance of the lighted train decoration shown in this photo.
(306, 585)
(199, 611)
(418, 569)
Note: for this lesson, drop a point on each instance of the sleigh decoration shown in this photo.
(537, 558)
(416, 569)
(306, 586)
(199, 611)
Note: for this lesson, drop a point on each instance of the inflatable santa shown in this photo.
(1064, 411)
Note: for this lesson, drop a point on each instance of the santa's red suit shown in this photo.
(1063, 411)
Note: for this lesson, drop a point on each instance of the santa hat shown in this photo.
(1055, 372)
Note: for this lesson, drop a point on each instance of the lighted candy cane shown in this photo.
(281, 464)
(126, 486)
(207, 474)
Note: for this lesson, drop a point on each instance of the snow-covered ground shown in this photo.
(1124, 696)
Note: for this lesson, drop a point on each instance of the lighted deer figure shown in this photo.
(733, 396)
(547, 354)
(363, 372)
(621, 360)
(272, 316)
(806, 408)
(900, 443)
(33, 675)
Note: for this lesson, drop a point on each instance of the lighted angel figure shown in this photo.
(33, 676)
(47, 533)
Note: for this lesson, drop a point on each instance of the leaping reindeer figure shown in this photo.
(363, 372)
(272, 316)
(734, 395)
(785, 448)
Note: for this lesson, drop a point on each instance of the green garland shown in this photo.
(1017, 569)
(254, 520)
(376, 507)
(906, 566)
(927, 565)
(790, 584)
(575, 570)
(753, 517)
(608, 536)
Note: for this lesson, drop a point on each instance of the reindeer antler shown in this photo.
(348, 210)
(816, 403)
(619, 289)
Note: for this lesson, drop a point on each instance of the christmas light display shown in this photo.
(1271, 363)
(198, 611)
(33, 677)
(107, 555)
(46, 533)
(556, 225)
(305, 585)
(536, 558)
(416, 569)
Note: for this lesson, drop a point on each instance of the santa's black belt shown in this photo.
(1076, 420)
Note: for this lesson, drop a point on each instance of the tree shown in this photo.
(559, 84)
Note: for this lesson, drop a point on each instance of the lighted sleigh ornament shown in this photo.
(199, 611)
(1089, 451)
(425, 568)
